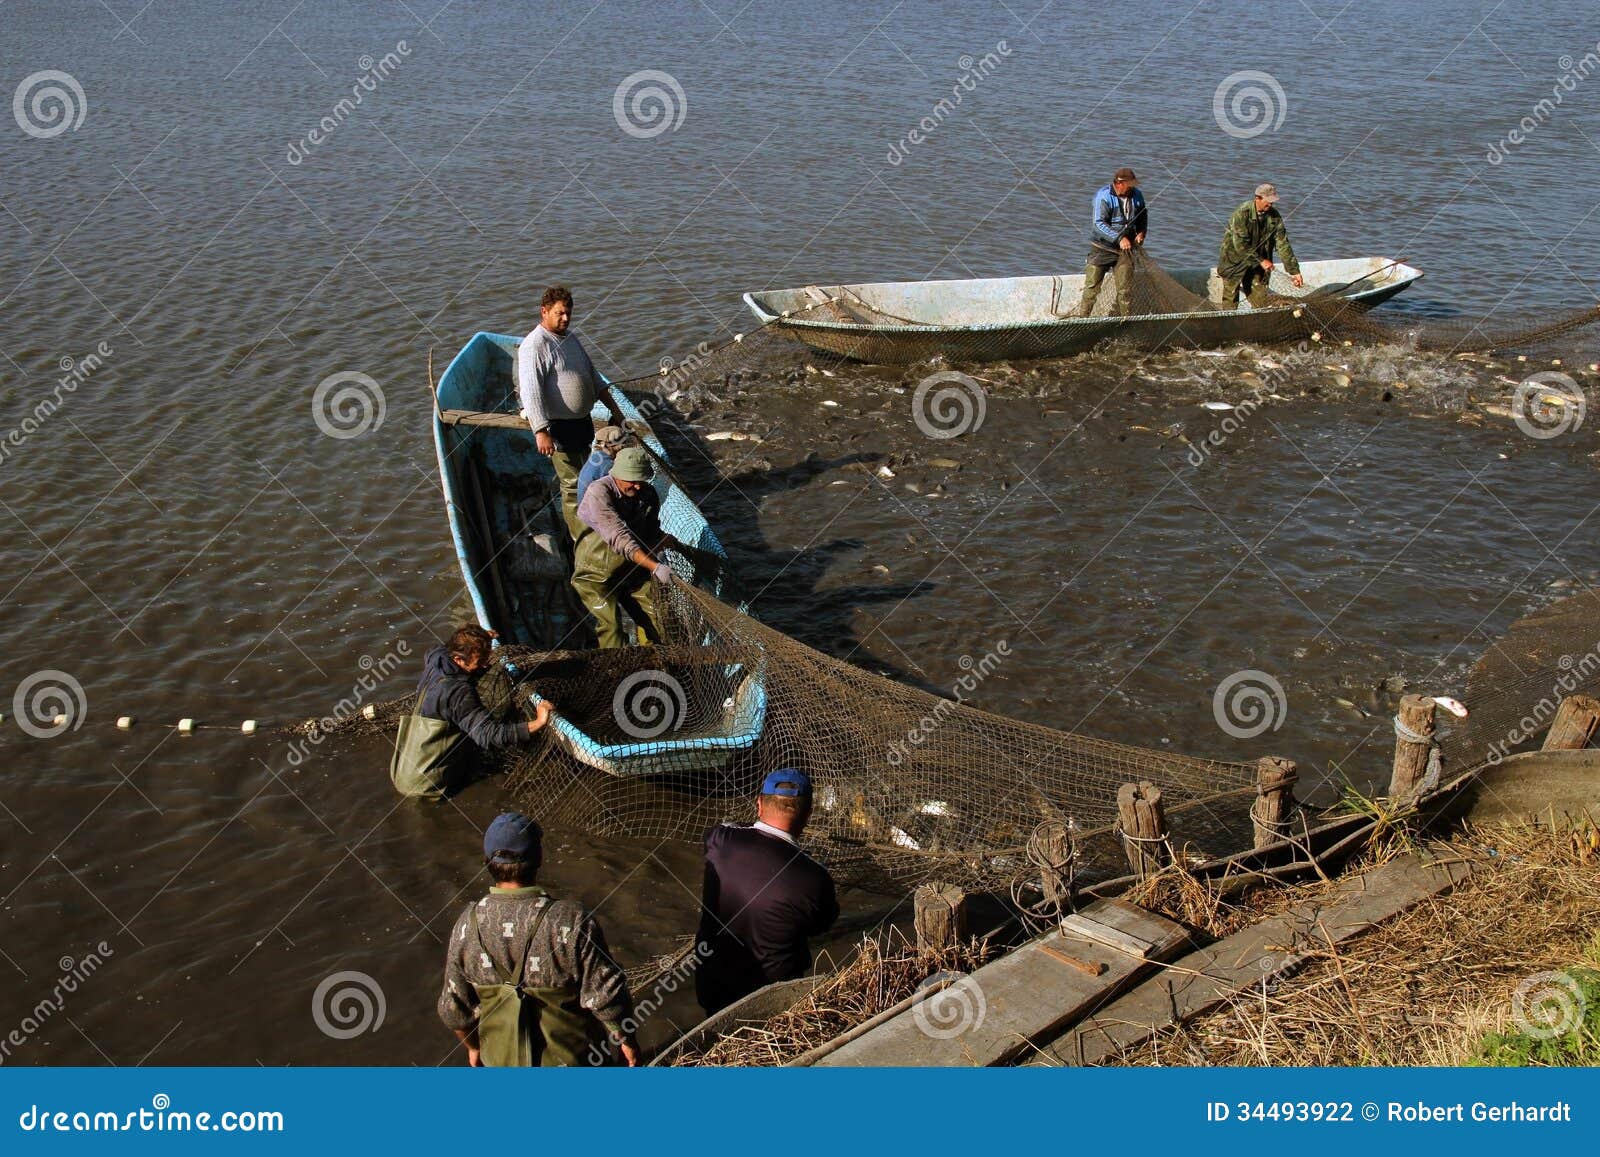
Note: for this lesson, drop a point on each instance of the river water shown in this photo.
(185, 539)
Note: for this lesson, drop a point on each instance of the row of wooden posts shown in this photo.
(940, 909)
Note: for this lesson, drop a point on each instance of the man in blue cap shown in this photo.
(527, 977)
(762, 897)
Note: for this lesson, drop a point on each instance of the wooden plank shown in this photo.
(1210, 977)
(479, 418)
(990, 1017)
(1081, 927)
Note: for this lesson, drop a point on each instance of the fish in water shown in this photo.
(731, 436)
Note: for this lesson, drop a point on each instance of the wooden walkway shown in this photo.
(1210, 977)
(994, 1016)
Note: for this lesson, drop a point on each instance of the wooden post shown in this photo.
(941, 916)
(1411, 755)
(1143, 822)
(1275, 780)
(1574, 723)
(1054, 850)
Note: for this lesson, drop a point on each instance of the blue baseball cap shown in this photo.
(512, 836)
(786, 781)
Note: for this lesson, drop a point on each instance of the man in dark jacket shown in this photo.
(762, 898)
(449, 719)
(1254, 237)
(1120, 221)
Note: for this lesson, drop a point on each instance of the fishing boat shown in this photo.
(502, 500)
(1000, 318)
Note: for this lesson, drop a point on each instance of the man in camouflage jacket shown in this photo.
(1255, 233)
(555, 944)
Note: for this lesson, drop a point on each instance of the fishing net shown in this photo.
(908, 786)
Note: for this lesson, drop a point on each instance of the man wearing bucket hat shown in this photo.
(1120, 221)
(762, 897)
(527, 977)
(1255, 235)
(619, 565)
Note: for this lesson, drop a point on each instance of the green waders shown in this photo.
(1253, 282)
(1121, 275)
(567, 467)
(523, 1026)
(608, 584)
(427, 754)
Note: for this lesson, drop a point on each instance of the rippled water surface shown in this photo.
(184, 539)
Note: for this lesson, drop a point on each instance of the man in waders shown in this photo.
(527, 977)
(558, 387)
(437, 740)
(1119, 224)
(619, 565)
(1255, 235)
(762, 897)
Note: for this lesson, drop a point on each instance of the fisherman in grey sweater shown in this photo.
(558, 387)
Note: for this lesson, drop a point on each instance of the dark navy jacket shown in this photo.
(448, 694)
(1111, 225)
(763, 896)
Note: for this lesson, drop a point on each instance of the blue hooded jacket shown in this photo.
(1111, 225)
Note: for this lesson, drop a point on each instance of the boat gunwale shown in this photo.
(767, 317)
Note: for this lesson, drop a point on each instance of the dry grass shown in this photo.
(1427, 987)
(881, 974)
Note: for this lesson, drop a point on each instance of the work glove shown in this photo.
(662, 574)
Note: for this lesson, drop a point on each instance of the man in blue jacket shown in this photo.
(448, 720)
(1120, 221)
(762, 897)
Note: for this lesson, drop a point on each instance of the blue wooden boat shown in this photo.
(502, 501)
(1002, 318)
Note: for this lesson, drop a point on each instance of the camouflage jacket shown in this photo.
(1252, 238)
(568, 951)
